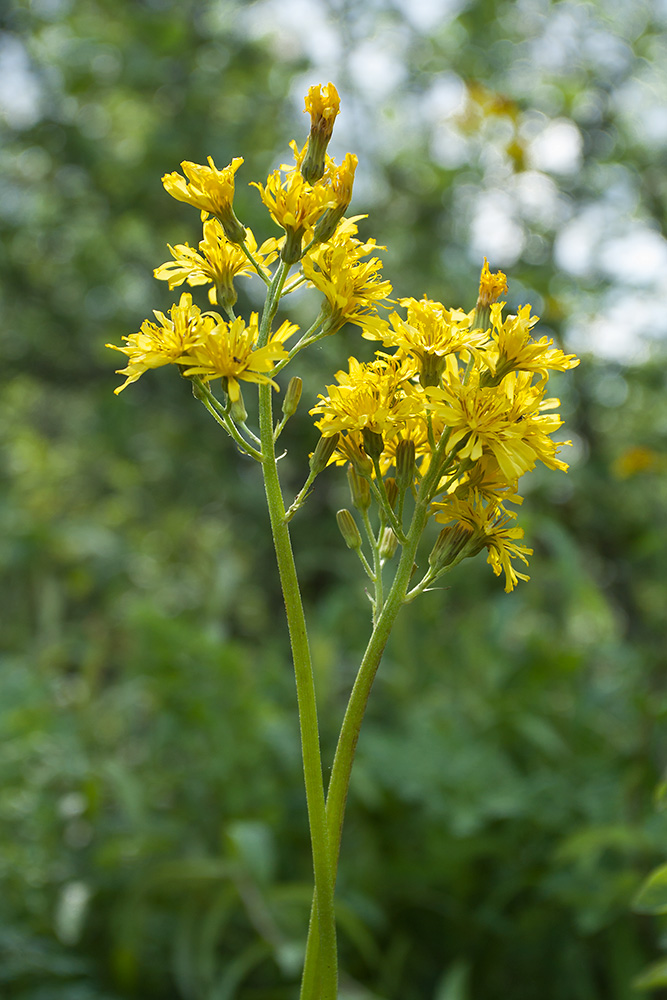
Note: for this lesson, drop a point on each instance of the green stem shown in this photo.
(327, 982)
(228, 425)
(356, 707)
(377, 567)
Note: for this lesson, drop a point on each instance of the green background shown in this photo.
(503, 810)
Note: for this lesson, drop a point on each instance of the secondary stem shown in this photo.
(327, 981)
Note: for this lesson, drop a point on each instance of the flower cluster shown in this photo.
(451, 412)
(470, 399)
(307, 203)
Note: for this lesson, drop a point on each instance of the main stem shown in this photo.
(327, 977)
(349, 734)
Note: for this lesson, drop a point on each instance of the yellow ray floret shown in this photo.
(512, 348)
(488, 528)
(293, 203)
(491, 286)
(229, 351)
(163, 343)
(210, 190)
(507, 421)
(353, 288)
(430, 333)
(217, 261)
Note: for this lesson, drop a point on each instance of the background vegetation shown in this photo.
(503, 811)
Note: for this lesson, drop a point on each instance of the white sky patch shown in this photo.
(638, 257)
(642, 104)
(623, 330)
(376, 65)
(446, 96)
(448, 147)
(494, 231)
(425, 15)
(538, 198)
(297, 27)
(577, 242)
(558, 149)
(20, 93)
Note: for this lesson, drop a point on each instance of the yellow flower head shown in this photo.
(210, 190)
(218, 261)
(165, 342)
(353, 288)
(229, 351)
(341, 180)
(513, 349)
(377, 397)
(430, 333)
(323, 105)
(506, 421)
(295, 205)
(488, 529)
(491, 286)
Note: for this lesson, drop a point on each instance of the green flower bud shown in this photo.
(324, 449)
(373, 442)
(348, 529)
(292, 396)
(388, 544)
(359, 489)
(238, 412)
(391, 490)
(405, 464)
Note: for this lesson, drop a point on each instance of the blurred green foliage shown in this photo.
(501, 817)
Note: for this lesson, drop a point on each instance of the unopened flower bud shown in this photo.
(291, 251)
(391, 489)
(348, 529)
(238, 412)
(432, 367)
(234, 230)
(405, 463)
(388, 544)
(324, 449)
(323, 107)
(373, 442)
(360, 491)
(292, 396)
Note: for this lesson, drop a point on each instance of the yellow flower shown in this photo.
(378, 397)
(217, 261)
(512, 348)
(352, 287)
(163, 343)
(505, 420)
(341, 180)
(210, 190)
(488, 529)
(491, 286)
(430, 333)
(228, 351)
(323, 106)
(294, 204)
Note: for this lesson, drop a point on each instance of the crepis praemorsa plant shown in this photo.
(439, 427)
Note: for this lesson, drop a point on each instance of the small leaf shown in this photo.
(652, 897)
(454, 983)
(652, 978)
